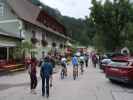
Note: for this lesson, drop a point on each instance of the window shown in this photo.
(1, 9)
(3, 53)
(33, 34)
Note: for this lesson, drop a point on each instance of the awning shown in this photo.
(7, 44)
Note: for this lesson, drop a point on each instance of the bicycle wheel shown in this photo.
(82, 69)
(77, 72)
(74, 74)
(62, 74)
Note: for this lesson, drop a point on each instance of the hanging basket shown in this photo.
(53, 44)
(61, 46)
(64, 46)
(34, 40)
(44, 43)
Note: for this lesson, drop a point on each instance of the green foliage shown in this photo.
(76, 27)
(21, 48)
(26, 46)
(17, 54)
(129, 36)
(110, 21)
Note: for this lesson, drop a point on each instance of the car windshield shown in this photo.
(118, 64)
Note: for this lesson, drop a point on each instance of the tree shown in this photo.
(129, 36)
(110, 20)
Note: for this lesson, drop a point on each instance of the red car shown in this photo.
(120, 69)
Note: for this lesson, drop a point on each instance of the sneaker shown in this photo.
(51, 85)
(43, 95)
(31, 91)
(47, 96)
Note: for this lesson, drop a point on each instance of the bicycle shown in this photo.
(63, 71)
(75, 72)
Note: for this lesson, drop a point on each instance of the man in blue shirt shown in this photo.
(75, 65)
(46, 72)
(74, 61)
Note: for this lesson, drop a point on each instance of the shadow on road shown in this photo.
(7, 86)
(123, 85)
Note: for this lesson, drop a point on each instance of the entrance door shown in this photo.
(3, 53)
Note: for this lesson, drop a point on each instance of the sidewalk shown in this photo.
(92, 85)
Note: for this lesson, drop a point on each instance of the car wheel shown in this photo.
(111, 80)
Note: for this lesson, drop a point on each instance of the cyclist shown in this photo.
(75, 66)
(64, 68)
(81, 60)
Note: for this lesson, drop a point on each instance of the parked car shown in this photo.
(106, 59)
(104, 63)
(120, 69)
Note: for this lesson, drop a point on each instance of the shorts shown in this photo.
(76, 65)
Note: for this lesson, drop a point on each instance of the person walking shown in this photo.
(81, 60)
(32, 72)
(86, 60)
(52, 61)
(46, 72)
(94, 60)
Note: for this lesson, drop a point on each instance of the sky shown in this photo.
(72, 8)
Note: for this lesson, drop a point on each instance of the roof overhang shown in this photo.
(9, 35)
(7, 44)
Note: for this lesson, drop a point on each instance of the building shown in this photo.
(8, 42)
(22, 21)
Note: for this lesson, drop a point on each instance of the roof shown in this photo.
(44, 13)
(9, 34)
(29, 12)
(37, 2)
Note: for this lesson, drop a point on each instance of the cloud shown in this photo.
(72, 8)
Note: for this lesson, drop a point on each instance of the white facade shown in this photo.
(13, 23)
(50, 38)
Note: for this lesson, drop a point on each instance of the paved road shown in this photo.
(91, 86)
